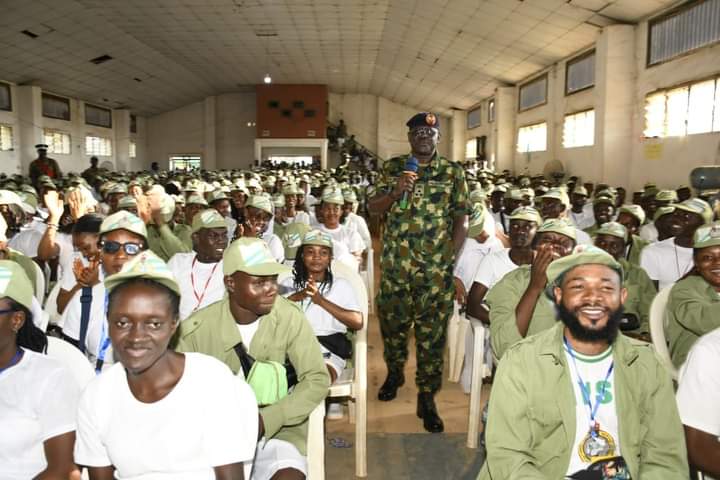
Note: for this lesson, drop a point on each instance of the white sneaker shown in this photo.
(335, 411)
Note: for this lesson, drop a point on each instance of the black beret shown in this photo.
(424, 119)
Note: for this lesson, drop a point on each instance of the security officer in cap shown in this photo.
(43, 165)
(424, 198)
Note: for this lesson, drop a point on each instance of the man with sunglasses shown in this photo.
(199, 273)
(122, 236)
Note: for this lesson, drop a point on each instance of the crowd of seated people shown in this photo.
(207, 305)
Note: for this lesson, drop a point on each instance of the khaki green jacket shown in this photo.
(164, 242)
(531, 419)
(503, 298)
(283, 332)
(184, 233)
(693, 310)
(641, 292)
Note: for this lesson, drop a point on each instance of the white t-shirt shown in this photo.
(584, 219)
(666, 262)
(698, 394)
(28, 240)
(346, 235)
(593, 371)
(649, 232)
(322, 322)
(471, 257)
(360, 225)
(248, 331)
(494, 267)
(197, 280)
(209, 419)
(582, 238)
(300, 217)
(66, 255)
(499, 217)
(275, 245)
(97, 330)
(38, 401)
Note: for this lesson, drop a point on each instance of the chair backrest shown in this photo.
(72, 358)
(657, 329)
(51, 305)
(39, 283)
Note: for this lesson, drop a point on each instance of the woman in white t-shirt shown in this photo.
(330, 303)
(157, 413)
(38, 395)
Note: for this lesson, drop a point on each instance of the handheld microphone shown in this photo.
(410, 166)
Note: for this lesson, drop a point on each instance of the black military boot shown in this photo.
(427, 411)
(394, 380)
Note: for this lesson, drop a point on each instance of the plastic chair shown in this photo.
(316, 443)
(353, 381)
(51, 305)
(370, 279)
(456, 332)
(72, 358)
(479, 372)
(39, 283)
(657, 329)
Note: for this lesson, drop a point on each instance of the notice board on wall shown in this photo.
(291, 111)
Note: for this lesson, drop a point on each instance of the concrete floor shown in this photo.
(398, 446)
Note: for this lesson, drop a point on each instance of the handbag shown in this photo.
(269, 380)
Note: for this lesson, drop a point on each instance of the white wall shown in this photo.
(28, 123)
(358, 110)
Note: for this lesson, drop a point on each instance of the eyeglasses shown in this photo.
(423, 131)
(130, 248)
(7, 310)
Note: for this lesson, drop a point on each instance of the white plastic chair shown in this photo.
(369, 277)
(479, 371)
(456, 332)
(72, 358)
(657, 329)
(39, 283)
(51, 305)
(316, 443)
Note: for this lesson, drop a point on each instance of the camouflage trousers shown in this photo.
(423, 300)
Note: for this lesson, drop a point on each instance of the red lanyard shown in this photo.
(199, 298)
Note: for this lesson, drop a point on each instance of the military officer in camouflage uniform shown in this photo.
(425, 227)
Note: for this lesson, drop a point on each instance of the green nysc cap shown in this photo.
(316, 237)
(15, 284)
(209, 218)
(614, 229)
(477, 195)
(666, 196)
(123, 220)
(634, 210)
(558, 194)
(261, 202)
(196, 199)
(128, 201)
(698, 206)
(529, 214)
(558, 225)
(292, 238)
(144, 265)
(581, 255)
(707, 235)
(476, 224)
(251, 256)
(663, 211)
(333, 195)
(216, 195)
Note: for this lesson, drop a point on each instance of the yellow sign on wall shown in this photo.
(653, 151)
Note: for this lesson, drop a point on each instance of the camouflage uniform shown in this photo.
(416, 287)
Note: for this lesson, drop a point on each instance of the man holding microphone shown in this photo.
(423, 197)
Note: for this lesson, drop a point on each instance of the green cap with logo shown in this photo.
(529, 214)
(261, 202)
(667, 209)
(580, 190)
(216, 195)
(558, 194)
(614, 229)
(666, 196)
(209, 218)
(251, 256)
(476, 223)
(349, 196)
(698, 206)
(292, 238)
(128, 201)
(144, 265)
(196, 199)
(581, 255)
(333, 195)
(123, 220)
(291, 189)
(634, 210)
(707, 235)
(316, 237)
(278, 200)
(558, 225)
(477, 195)
(15, 284)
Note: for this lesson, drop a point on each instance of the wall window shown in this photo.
(683, 110)
(6, 138)
(133, 150)
(579, 129)
(98, 146)
(133, 124)
(686, 29)
(580, 73)
(471, 149)
(491, 110)
(185, 162)
(98, 116)
(533, 94)
(532, 138)
(473, 118)
(5, 98)
(58, 142)
(55, 107)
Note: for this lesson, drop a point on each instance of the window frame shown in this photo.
(95, 135)
(99, 108)
(56, 97)
(538, 78)
(572, 61)
(517, 137)
(12, 137)
(569, 114)
(666, 16)
(479, 118)
(47, 131)
(8, 87)
(491, 108)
